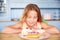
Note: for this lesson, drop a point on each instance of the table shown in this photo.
(16, 37)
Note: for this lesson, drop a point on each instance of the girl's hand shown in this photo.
(45, 35)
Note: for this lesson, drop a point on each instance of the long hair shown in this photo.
(28, 8)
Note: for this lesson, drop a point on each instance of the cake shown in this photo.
(33, 35)
(29, 35)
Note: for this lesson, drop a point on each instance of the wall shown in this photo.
(14, 9)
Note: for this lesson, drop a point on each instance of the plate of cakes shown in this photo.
(33, 35)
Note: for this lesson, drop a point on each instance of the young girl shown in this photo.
(32, 21)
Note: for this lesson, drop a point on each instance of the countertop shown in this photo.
(16, 37)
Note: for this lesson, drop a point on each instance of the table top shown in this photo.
(16, 37)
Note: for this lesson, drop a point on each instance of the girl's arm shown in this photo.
(49, 28)
(52, 30)
(12, 29)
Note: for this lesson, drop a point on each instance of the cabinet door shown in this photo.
(16, 13)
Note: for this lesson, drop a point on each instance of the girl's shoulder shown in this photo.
(44, 25)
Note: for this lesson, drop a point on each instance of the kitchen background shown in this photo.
(11, 11)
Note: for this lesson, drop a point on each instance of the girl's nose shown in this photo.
(32, 19)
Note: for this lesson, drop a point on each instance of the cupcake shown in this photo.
(36, 34)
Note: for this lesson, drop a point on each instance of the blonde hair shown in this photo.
(31, 7)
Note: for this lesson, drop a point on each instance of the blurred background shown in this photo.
(11, 11)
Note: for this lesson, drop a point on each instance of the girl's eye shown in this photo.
(32, 17)
(29, 17)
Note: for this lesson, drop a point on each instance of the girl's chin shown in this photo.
(31, 25)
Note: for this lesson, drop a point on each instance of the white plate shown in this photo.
(40, 38)
(25, 37)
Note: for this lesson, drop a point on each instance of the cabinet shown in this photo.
(52, 13)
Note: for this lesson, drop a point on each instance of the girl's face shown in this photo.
(31, 19)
